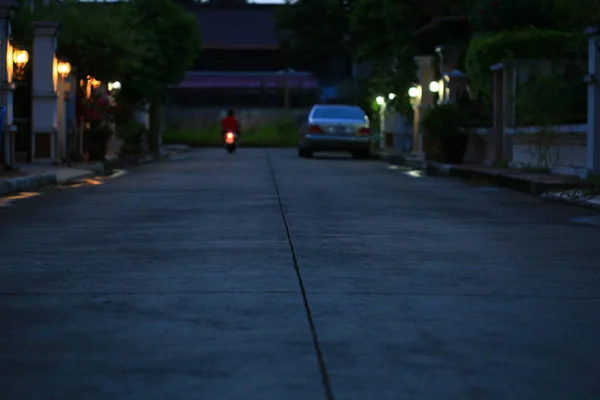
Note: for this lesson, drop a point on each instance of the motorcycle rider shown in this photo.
(230, 124)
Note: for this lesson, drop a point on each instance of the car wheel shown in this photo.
(304, 153)
(361, 155)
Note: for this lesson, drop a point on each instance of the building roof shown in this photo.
(249, 26)
(246, 80)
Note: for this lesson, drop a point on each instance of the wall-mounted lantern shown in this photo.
(381, 101)
(63, 68)
(20, 58)
(95, 83)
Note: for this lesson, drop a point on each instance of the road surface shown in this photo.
(264, 276)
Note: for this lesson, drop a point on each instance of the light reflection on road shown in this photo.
(6, 201)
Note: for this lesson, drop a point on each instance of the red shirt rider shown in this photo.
(230, 123)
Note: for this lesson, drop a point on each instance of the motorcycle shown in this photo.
(231, 141)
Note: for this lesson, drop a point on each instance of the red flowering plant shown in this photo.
(99, 114)
(99, 110)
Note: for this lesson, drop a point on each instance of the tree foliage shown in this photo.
(145, 44)
(169, 37)
(313, 29)
(500, 15)
(576, 14)
(496, 47)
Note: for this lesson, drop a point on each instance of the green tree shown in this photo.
(576, 14)
(145, 44)
(383, 35)
(313, 30)
(94, 37)
(170, 39)
(500, 15)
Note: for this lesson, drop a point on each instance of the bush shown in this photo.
(279, 133)
(132, 133)
(444, 120)
(444, 128)
(487, 50)
(550, 98)
(98, 136)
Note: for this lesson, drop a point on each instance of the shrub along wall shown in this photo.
(492, 48)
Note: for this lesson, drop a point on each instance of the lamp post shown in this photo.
(382, 102)
(63, 69)
(91, 83)
(18, 58)
(416, 99)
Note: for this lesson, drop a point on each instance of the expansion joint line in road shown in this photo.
(313, 330)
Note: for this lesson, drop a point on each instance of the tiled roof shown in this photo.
(246, 80)
(248, 26)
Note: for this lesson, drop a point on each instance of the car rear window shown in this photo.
(338, 112)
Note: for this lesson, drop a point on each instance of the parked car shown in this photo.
(334, 127)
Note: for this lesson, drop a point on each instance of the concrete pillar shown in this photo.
(63, 86)
(456, 85)
(426, 73)
(7, 86)
(498, 117)
(593, 80)
(44, 112)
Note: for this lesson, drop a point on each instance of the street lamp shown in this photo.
(414, 92)
(114, 86)
(434, 87)
(392, 96)
(380, 100)
(63, 68)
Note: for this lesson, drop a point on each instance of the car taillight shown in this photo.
(314, 129)
(363, 131)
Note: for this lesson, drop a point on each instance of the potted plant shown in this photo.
(99, 117)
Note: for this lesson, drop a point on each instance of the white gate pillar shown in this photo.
(44, 109)
(593, 81)
(7, 86)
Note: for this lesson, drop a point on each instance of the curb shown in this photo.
(542, 190)
(401, 160)
(539, 189)
(29, 182)
(506, 181)
(20, 184)
(573, 202)
(75, 179)
(132, 161)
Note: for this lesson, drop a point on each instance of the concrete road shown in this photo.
(184, 280)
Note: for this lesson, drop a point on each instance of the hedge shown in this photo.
(489, 49)
(282, 133)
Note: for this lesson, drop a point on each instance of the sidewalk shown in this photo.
(567, 189)
(33, 176)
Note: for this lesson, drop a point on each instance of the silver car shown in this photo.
(335, 128)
